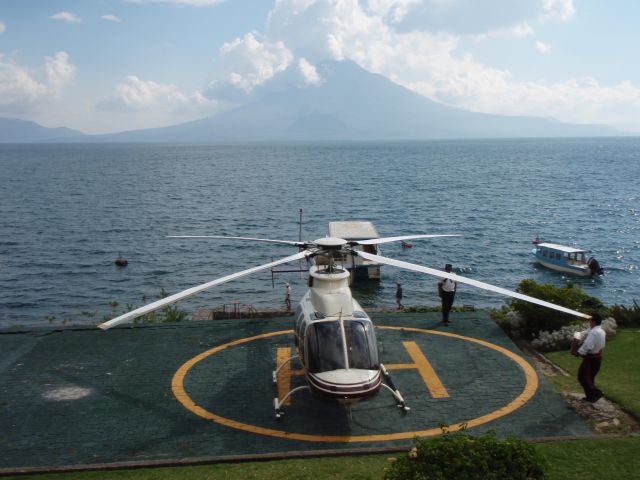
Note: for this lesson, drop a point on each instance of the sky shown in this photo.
(102, 66)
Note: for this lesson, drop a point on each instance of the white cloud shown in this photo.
(136, 103)
(23, 90)
(393, 10)
(18, 88)
(2, 26)
(558, 9)
(248, 62)
(543, 48)
(136, 94)
(520, 30)
(66, 17)
(189, 3)
(111, 18)
(428, 60)
(59, 71)
(309, 73)
(575, 100)
(317, 30)
(462, 17)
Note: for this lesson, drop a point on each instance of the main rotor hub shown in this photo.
(331, 243)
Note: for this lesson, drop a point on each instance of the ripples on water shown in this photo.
(69, 210)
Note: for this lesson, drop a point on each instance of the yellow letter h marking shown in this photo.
(420, 363)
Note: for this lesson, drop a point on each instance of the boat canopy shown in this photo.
(353, 230)
(561, 248)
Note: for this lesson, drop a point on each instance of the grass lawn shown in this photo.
(619, 377)
(615, 458)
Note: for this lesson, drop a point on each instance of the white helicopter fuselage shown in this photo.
(335, 338)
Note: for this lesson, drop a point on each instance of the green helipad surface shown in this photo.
(204, 390)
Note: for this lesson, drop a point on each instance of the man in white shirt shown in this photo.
(591, 352)
(447, 292)
(287, 295)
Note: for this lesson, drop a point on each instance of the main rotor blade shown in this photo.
(475, 283)
(287, 242)
(127, 317)
(376, 241)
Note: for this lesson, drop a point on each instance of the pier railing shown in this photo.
(236, 310)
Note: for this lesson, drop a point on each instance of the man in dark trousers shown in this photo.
(287, 295)
(399, 296)
(591, 352)
(447, 292)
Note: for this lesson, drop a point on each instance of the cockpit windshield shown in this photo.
(326, 346)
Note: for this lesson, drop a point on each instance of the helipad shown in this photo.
(205, 390)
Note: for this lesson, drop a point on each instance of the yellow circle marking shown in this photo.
(177, 386)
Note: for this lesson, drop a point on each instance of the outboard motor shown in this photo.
(594, 267)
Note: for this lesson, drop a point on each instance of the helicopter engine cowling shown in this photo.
(330, 293)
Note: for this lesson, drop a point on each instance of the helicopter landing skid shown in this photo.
(277, 403)
(400, 403)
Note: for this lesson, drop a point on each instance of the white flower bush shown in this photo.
(513, 322)
(561, 339)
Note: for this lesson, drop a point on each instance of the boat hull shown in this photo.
(573, 269)
(561, 264)
(365, 272)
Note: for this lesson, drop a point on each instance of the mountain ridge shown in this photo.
(350, 104)
(13, 130)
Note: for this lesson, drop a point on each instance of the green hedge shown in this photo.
(625, 317)
(537, 318)
(465, 457)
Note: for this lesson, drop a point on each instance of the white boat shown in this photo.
(566, 259)
(358, 230)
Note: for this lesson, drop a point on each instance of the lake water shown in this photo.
(67, 211)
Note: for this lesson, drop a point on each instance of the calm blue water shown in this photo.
(67, 211)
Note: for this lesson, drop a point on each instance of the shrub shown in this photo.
(168, 314)
(561, 339)
(536, 318)
(466, 457)
(626, 317)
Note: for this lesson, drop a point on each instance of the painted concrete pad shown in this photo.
(204, 389)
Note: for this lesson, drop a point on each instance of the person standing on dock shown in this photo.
(287, 295)
(591, 352)
(447, 292)
(399, 295)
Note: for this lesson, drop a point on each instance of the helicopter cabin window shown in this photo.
(361, 345)
(326, 346)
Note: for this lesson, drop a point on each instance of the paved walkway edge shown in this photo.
(187, 462)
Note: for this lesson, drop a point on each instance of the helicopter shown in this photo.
(334, 337)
